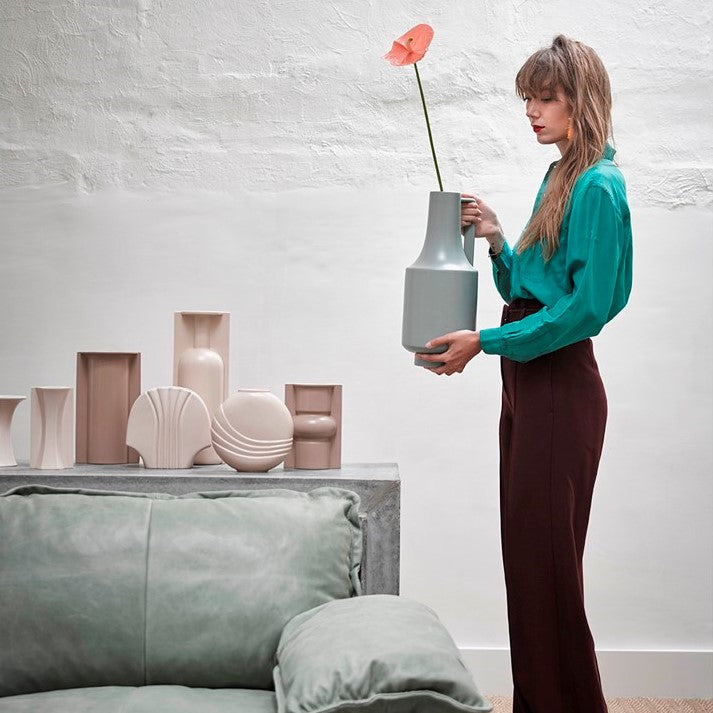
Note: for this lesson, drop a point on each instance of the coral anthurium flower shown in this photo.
(410, 47)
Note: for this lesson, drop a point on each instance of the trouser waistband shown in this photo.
(519, 308)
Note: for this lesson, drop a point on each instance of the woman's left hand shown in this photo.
(462, 347)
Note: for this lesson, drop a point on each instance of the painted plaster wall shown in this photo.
(263, 159)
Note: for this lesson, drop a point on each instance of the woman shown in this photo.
(569, 274)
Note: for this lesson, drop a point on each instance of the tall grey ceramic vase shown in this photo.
(441, 287)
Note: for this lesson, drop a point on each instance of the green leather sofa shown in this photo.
(235, 601)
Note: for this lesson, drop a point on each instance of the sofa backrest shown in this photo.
(100, 588)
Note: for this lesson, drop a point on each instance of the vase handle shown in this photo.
(469, 236)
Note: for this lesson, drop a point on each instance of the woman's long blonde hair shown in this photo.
(575, 69)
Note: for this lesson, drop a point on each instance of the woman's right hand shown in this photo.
(486, 221)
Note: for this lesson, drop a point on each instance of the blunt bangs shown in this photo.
(542, 73)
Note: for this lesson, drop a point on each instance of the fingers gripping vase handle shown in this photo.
(469, 236)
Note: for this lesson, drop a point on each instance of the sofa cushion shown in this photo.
(391, 654)
(148, 699)
(100, 588)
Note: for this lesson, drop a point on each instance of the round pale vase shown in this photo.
(441, 287)
(252, 431)
(201, 370)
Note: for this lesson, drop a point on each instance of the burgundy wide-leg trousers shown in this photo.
(552, 423)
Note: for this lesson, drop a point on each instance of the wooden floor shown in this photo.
(503, 704)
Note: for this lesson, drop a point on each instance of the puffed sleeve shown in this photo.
(593, 264)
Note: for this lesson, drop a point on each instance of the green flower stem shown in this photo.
(428, 126)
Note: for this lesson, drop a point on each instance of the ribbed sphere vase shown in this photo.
(252, 430)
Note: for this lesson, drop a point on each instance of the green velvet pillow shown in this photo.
(374, 653)
(101, 588)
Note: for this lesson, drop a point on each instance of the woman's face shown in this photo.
(548, 114)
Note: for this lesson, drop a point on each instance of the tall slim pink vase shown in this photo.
(200, 362)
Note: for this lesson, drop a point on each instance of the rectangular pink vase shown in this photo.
(317, 414)
(108, 383)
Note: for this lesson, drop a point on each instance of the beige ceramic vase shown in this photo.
(52, 427)
(317, 414)
(8, 404)
(168, 426)
(252, 430)
(200, 362)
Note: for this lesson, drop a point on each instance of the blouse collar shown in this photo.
(608, 153)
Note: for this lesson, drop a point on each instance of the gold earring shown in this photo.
(569, 129)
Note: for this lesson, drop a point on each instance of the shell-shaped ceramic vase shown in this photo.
(168, 426)
(252, 431)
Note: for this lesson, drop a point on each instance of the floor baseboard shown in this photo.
(655, 674)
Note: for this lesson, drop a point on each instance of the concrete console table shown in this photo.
(377, 484)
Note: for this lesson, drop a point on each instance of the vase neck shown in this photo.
(443, 243)
(201, 338)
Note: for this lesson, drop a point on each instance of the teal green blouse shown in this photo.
(586, 282)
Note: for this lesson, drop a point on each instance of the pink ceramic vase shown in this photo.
(201, 343)
(252, 431)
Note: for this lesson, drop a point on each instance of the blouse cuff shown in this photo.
(491, 340)
(498, 259)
